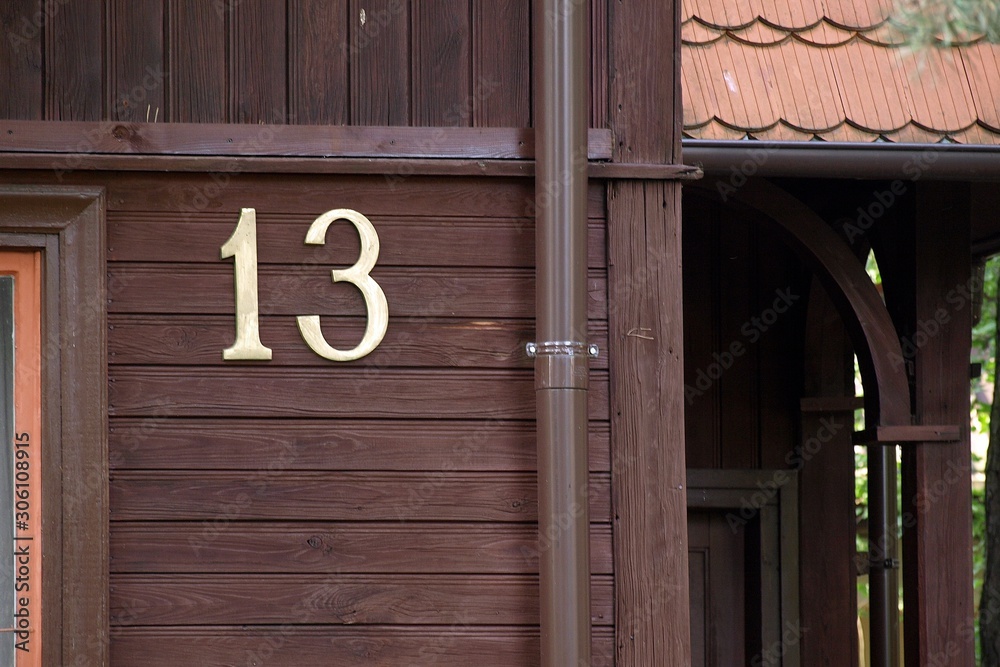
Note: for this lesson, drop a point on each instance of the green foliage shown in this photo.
(947, 22)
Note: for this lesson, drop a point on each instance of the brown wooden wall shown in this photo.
(463, 63)
(301, 511)
(743, 414)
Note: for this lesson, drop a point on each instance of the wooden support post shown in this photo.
(826, 502)
(937, 537)
(652, 626)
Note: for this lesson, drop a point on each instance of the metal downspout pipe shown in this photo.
(561, 351)
(883, 594)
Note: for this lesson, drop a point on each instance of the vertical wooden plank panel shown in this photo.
(827, 575)
(198, 75)
(379, 52)
(701, 333)
(599, 63)
(779, 372)
(317, 62)
(136, 55)
(442, 65)
(502, 62)
(937, 564)
(21, 59)
(647, 424)
(737, 355)
(74, 61)
(644, 85)
(258, 59)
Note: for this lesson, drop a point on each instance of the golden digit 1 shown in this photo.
(243, 246)
(357, 275)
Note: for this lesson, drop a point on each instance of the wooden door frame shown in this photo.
(772, 497)
(66, 224)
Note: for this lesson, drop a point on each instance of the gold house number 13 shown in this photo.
(242, 245)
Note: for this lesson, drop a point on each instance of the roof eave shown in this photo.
(953, 162)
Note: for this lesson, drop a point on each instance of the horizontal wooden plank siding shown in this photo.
(334, 548)
(244, 391)
(168, 443)
(406, 599)
(411, 342)
(340, 496)
(285, 646)
(302, 497)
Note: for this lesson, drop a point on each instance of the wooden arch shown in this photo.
(880, 357)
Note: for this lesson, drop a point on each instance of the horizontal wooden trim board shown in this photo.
(306, 289)
(410, 342)
(453, 644)
(832, 403)
(336, 548)
(231, 139)
(340, 496)
(908, 434)
(425, 241)
(401, 599)
(189, 196)
(332, 392)
(277, 445)
(394, 169)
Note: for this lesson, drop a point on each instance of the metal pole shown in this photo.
(883, 593)
(561, 352)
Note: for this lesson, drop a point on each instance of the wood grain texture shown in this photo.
(864, 313)
(647, 412)
(330, 392)
(318, 90)
(599, 71)
(199, 77)
(21, 59)
(826, 509)
(501, 62)
(308, 290)
(75, 77)
(271, 138)
(379, 53)
(67, 225)
(258, 54)
(442, 63)
(186, 600)
(137, 71)
(342, 496)
(452, 645)
(937, 572)
(397, 168)
(253, 445)
(409, 342)
(644, 87)
(336, 548)
(426, 241)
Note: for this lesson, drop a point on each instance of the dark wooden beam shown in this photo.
(936, 491)
(652, 615)
(887, 395)
(119, 138)
(908, 434)
(826, 491)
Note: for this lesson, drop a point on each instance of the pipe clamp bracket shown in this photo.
(561, 364)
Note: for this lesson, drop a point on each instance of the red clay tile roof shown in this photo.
(834, 70)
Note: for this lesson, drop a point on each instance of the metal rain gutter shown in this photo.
(816, 159)
(561, 352)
